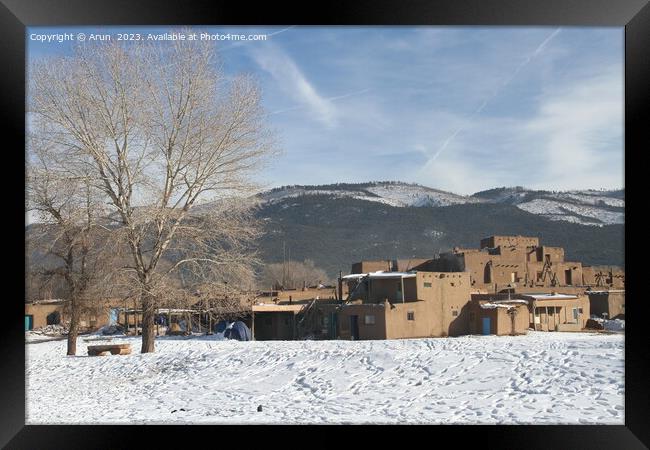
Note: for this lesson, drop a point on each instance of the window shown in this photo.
(539, 276)
(427, 284)
(369, 319)
(410, 315)
(575, 313)
(454, 313)
(580, 310)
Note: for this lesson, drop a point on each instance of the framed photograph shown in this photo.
(362, 214)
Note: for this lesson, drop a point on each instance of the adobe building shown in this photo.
(381, 305)
(397, 305)
(608, 303)
(504, 262)
(500, 316)
(604, 277)
(558, 312)
(290, 314)
(40, 313)
(536, 311)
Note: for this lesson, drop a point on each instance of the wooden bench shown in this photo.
(111, 349)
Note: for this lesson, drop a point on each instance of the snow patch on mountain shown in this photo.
(585, 207)
(392, 194)
(579, 213)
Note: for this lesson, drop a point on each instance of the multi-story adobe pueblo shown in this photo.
(507, 286)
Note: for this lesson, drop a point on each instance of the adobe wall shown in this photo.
(441, 313)
(507, 241)
(41, 311)
(612, 303)
(563, 316)
(367, 331)
(604, 276)
(371, 266)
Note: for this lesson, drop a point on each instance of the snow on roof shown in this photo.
(354, 275)
(380, 274)
(551, 296)
(605, 291)
(503, 304)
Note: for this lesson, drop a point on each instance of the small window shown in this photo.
(369, 319)
(410, 315)
(454, 313)
(427, 284)
(580, 310)
(575, 313)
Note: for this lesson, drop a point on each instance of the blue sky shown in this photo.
(455, 108)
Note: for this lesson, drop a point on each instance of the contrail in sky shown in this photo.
(239, 44)
(528, 59)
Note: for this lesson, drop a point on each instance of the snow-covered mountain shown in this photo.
(586, 207)
(389, 193)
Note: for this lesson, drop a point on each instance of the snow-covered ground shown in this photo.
(541, 378)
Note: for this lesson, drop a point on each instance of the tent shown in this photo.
(221, 326)
(238, 331)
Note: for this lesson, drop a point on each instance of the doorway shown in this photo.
(354, 328)
(486, 326)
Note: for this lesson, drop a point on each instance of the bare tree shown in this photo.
(293, 274)
(71, 232)
(160, 128)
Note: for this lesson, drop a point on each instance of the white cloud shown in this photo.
(580, 132)
(573, 140)
(293, 82)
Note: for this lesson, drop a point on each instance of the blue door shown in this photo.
(486, 326)
(29, 322)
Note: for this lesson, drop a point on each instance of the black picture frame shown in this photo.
(634, 15)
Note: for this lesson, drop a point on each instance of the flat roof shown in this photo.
(266, 307)
(551, 296)
(376, 275)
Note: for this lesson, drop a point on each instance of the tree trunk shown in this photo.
(148, 326)
(74, 327)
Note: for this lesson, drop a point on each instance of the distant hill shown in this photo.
(338, 224)
(335, 225)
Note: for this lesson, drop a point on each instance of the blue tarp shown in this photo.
(238, 331)
(221, 326)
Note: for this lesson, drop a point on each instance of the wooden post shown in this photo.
(546, 309)
(253, 325)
